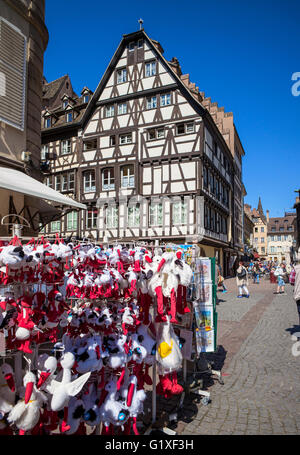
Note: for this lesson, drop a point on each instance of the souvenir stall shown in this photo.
(80, 327)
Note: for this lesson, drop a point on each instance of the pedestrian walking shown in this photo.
(242, 281)
(297, 287)
(280, 273)
(255, 273)
(220, 278)
(292, 275)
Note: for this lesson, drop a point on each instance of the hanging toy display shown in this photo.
(89, 322)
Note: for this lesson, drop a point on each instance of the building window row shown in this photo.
(150, 69)
(279, 238)
(215, 186)
(152, 102)
(214, 221)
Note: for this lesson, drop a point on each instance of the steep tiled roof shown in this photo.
(50, 89)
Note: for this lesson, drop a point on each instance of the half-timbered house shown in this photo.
(144, 154)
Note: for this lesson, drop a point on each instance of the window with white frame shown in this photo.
(65, 103)
(110, 111)
(108, 179)
(65, 147)
(165, 99)
(133, 216)
(91, 218)
(151, 102)
(86, 98)
(64, 182)
(72, 220)
(127, 176)
(189, 127)
(156, 133)
(71, 181)
(44, 152)
(140, 43)
(55, 226)
(150, 68)
(111, 213)
(89, 181)
(179, 212)
(122, 108)
(125, 138)
(184, 128)
(48, 181)
(131, 46)
(121, 76)
(69, 117)
(57, 182)
(156, 214)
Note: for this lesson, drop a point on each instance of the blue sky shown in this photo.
(240, 53)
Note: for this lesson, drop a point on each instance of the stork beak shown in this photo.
(28, 391)
(10, 381)
(43, 377)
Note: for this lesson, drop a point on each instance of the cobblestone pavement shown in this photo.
(261, 391)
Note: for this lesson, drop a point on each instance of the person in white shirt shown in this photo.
(279, 273)
(242, 281)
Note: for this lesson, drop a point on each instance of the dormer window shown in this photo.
(131, 46)
(69, 117)
(65, 104)
(86, 98)
(140, 43)
(47, 122)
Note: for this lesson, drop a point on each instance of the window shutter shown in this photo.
(12, 75)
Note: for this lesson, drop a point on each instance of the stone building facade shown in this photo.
(23, 40)
(281, 234)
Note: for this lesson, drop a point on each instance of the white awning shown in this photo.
(13, 180)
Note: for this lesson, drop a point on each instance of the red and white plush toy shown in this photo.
(62, 391)
(25, 324)
(7, 388)
(112, 412)
(26, 413)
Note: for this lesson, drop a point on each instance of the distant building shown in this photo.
(259, 240)
(281, 234)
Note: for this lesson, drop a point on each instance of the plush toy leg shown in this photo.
(64, 426)
(147, 377)
(173, 307)
(160, 305)
(185, 307)
(180, 309)
(127, 427)
(105, 430)
(22, 432)
(26, 347)
(134, 426)
(176, 388)
(146, 307)
(164, 387)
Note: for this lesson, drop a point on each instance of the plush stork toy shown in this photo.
(26, 413)
(62, 391)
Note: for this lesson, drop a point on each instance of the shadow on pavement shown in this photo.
(294, 329)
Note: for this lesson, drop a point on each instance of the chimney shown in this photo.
(174, 63)
(268, 216)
